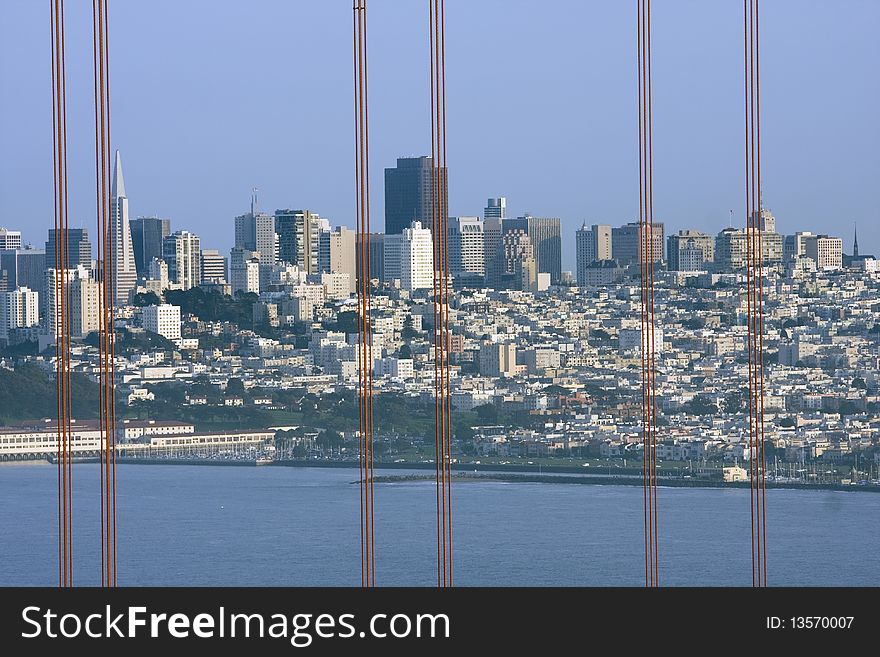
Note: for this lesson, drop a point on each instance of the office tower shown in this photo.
(391, 257)
(410, 193)
(157, 276)
(10, 239)
(122, 252)
(795, 246)
(545, 235)
(255, 231)
(23, 268)
(244, 270)
(147, 234)
(602, 243)
(79, 249)
(690, 239)
(626, 243)
(467, 246)
(376, 256)
(767, 221)
(163, 319)
(492, 230)
(182, 251)
(341, 257)
(517, 265)
(84, 296)
(416, 258)
(730, 249)
(585, 252)
(19, 308)
(496, 208)
(299, 238)
(409, 256)
(213, 266)
(826, 251)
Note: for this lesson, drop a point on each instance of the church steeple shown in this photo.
(855, 241)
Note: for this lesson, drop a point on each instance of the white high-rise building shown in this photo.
(213, 266)
(416, 258)
(826, 251)
(182, 252)
(244, 270)
(467, 249)
(10, 239)
(19, 308)
(124, 269)
(51, 288)
(84, 296)
(163, 320)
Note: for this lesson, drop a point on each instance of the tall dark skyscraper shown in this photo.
(79, 249)
(545, 235)
(147, 234)
(409, 193)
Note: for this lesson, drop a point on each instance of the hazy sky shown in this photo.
(212, 98)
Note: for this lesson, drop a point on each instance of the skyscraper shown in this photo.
(147, 234)
(376, 255)
(122, 252)
(22, 268)
(85, 306)
(518, 267)
(416, 258)
(626, 243)
(409, 193)
(496, 208)
(213, 266)
(585, 252)
(342, 259)
(591, 244)
(493, 227)
(19, 308)
(299, 238)
(10, 239)
(182, 251)
(467, 259)
(244, 270)
(688, 240)
(79, 249)
(545, 235)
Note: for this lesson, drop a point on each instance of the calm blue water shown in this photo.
(197, 525)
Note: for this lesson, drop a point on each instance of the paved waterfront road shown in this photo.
(198, 525)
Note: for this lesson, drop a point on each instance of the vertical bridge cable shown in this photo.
(755, 292)
(439, 231)
(647, 264)
(59, 306)
(106, 370)
(365, 332)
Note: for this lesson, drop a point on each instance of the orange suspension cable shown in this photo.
(365, 343)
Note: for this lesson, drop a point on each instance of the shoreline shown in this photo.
(470, 472)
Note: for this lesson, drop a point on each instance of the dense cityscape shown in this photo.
(254, 356)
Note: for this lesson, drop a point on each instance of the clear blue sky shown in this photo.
(212, 98)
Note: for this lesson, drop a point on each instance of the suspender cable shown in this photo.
(59, 306)
(755, 291)
(365, 332)
(106, 298)
(647, 315)
(439, 231)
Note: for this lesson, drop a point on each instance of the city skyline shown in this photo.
(556, 165)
